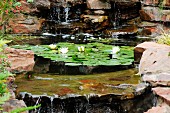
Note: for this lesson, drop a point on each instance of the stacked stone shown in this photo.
(155, 11)
(154, 68)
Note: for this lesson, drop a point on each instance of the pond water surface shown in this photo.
(103, 83)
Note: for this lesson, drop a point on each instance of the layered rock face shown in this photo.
(155, 10)
(154, 68)
(95, 14)
(20, 60)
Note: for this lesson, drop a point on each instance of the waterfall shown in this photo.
(66, 10)
(115, 16)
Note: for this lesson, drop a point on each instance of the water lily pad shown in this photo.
(94, 54)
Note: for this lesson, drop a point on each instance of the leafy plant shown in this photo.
(4, 94)
(19, 110)
(7, 9)
(30, 1)
(164, 39)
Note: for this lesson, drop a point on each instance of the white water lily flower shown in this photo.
(81, 48)
(52, 46)
(115, 50)
(63, 50)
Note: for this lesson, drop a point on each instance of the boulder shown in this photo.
(155, 58)
(25, 24)
(139, 49)
(20, 60)
(13, 104)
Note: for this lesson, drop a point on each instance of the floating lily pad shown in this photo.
(94, 54)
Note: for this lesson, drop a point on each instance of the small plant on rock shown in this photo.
(164, 38)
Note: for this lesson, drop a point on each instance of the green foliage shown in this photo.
(4, 94)
(7, 10)
(30, 1)
(4, 97)
(94, 54)
(164, 39)
(19, 110)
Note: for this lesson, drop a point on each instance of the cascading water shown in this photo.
(115, 16)
(94, 104)
(66, 10)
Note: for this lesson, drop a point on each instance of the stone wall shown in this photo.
(158, 12)
(154, 69)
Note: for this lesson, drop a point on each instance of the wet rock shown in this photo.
(154, 14)
(20, 60)
(95, 18)
(25, 24)
(92, 104)
(124, 30)
(141, 89)
(41, 65)
(98, 4)
(13, 104)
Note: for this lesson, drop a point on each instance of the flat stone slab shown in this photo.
(163, 92)
(162, 79)
(154, 58)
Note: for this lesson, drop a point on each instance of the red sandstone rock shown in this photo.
(25, 24)
(27, 7)
(20, 60)
(163, 92)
